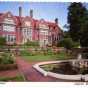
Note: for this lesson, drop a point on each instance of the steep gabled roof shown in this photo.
(19, 20)
(52, 25)
(7, 14)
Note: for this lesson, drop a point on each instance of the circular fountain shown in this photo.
(73, 70)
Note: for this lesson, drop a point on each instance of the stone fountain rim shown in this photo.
(59, 76)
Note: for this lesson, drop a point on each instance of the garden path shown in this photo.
(9, 73)
(31, 74)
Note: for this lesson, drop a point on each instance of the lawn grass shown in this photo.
(26, 47)
(16, 78)
(39, 58)
(47, 57)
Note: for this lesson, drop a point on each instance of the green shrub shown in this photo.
(16, 78)
(68, 43)
(26, 53)
(6, 58)
(49, 51)
(32, 43)
(2, 41)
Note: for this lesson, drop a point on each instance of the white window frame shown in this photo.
(8, 25)
(8, 28)
(27, 33)
(9, 37)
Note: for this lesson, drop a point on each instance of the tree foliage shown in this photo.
(68, 43)
(76, 18)
(84, 33)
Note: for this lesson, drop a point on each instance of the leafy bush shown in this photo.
(2, 41)
(16, 78)
(68, 43)
(32, 43)
(26, 53)
(6, 58)
(49, 51)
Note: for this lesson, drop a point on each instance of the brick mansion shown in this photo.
(19, 29)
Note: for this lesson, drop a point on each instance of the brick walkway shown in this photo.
(31, 74)
(9, 73)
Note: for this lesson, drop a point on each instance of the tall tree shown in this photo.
(76, 18)
(84, 33)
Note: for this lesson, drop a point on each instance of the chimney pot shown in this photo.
(31, 13)
(56, 20)
(20, 11)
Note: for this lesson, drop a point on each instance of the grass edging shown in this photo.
(16, 78)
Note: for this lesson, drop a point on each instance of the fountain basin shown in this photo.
(77, 77)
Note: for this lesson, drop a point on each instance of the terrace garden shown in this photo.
(8, 67)
(31, 52)
(37, 55)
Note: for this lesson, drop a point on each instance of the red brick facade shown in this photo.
(18, 29)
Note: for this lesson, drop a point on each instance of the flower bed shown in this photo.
(7, 61)
(17, 78)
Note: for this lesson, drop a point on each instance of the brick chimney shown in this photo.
(31, 13)
(56, 20)
(20, 11)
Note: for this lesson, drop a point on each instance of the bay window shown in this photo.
(8, 25)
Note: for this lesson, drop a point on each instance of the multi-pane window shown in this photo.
(10, 38)
(8, 28)
(8, 25)
(43, 37)
(44, 34)
(27, 33)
